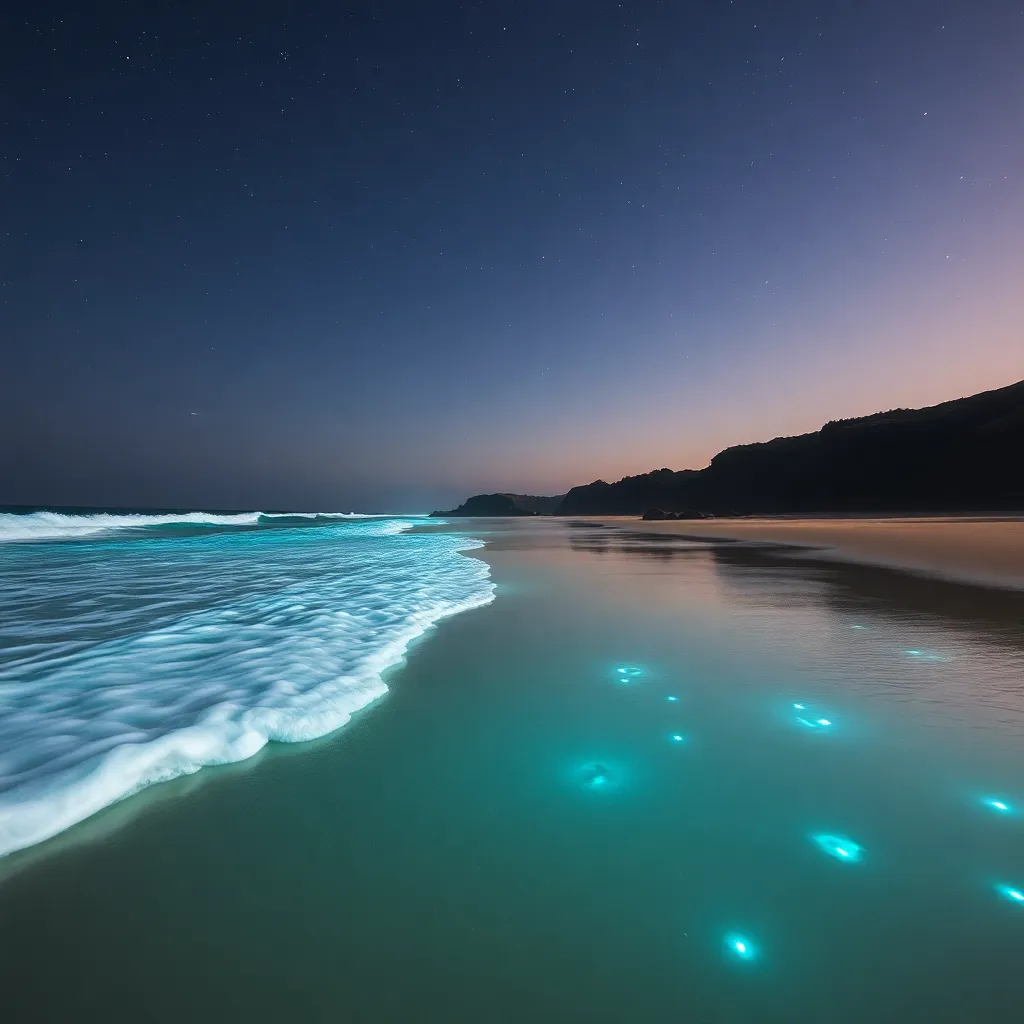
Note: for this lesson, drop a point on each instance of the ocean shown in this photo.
(637, 778)
(137, 648)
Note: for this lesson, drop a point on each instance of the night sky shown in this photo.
(381, 256)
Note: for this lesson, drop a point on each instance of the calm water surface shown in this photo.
(528, 826)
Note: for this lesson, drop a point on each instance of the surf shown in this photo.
(127, 664)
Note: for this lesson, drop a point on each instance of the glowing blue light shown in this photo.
(627, 673)
(811, 723)
(1011, 893)
(595, 776)
(677, 738)
(817, 723)
(858, 627)
(672, 698)
(998, 805)
(839, 847)
(741, 946)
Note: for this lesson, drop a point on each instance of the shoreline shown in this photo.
(983, 551)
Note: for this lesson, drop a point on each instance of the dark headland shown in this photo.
(962, 456)
(506, 505)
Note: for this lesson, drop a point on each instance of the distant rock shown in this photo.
(654, 514)
(503, 504)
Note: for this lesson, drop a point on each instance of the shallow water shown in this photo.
(450, 854)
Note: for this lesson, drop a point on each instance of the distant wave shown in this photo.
(129, 664)
(61, 525)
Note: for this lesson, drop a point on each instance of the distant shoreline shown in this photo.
(982, 550)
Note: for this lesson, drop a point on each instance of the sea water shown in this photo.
(515, 833)
(137, 648)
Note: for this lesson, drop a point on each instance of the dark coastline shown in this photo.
(960, 457)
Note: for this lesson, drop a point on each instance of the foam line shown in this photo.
(43, 526)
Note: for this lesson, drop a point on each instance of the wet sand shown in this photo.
(987, 551)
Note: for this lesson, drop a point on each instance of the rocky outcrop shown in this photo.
(503, 504)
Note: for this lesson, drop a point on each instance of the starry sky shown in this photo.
(380, 256)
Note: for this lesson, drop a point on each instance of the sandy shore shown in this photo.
(988, 551)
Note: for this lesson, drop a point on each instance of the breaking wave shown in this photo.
(45, 525)
(125, 664)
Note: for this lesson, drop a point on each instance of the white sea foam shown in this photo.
(57, 525)
(44, 525)
(125, 665)
(327, 515)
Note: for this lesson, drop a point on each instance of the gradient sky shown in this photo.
(381, 256)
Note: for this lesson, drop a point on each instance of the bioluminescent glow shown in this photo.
(677, 737)
(839, 847)
(858, 627)
(1011, 892)
(673, 699)
(627, 673)
(815, 723)
(997, 805)
(595, 776)
(740, 946)
(810, 721)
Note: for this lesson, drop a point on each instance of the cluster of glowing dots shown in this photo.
(842, 849)
(740, 946)
(811, 723)
(845, 850)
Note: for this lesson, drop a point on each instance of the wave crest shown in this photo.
(46, 525)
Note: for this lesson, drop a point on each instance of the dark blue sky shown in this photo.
(381, 256)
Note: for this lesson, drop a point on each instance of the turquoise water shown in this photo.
(140, 648)
(518, 830)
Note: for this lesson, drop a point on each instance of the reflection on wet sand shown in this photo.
(850, 588)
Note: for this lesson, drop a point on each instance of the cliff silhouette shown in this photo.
(962, 456)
